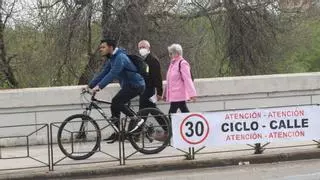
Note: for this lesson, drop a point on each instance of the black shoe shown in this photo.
(113, 141)
(136, 138)
(112, 138)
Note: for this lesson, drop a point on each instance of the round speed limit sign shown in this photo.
(194, 129)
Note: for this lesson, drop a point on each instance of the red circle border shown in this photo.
(181, 129)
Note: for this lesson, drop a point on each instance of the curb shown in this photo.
(176, 165)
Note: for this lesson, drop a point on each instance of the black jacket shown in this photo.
(155, 78)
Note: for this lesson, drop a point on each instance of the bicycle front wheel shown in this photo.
(79, 137)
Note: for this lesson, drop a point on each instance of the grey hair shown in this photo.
(144, 43)
(175, 49)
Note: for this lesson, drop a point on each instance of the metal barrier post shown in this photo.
(193, 154)
(258, 149)
(190, 155)
(318, 143)
(121, 143)
(51, 150)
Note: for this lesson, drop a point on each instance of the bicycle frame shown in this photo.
(121, 131)
(93, 105)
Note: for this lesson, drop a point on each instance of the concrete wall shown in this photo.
(47, 105)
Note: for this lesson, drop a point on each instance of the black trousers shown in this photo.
(144, 102)
(120, 100)
(182, 105)
(174, 106)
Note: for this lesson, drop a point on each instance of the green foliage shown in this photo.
(40, 57)
(207, 52)
(38, 54)
(299, 49)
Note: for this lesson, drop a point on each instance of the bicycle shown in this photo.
(84, 133)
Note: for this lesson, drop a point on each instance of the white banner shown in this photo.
(246, 126)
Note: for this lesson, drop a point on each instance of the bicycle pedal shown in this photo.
(149, 138)
(81, 136)
(150, 130)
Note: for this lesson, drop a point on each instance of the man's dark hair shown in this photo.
(110, 42)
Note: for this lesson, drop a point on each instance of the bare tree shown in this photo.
(219, 37)
(5, 67)
(251, 35)
(93, 63)
(69, 26)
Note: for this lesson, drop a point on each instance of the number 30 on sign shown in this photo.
(194, 129)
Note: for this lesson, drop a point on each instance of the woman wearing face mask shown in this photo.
(180, 87)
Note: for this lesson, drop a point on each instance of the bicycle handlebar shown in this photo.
(93, 94)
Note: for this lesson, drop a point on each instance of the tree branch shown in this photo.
(11, 57)
(10, 12)
(49, 6)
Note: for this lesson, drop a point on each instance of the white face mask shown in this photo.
(144, 52)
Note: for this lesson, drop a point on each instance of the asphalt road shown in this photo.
(294, 170)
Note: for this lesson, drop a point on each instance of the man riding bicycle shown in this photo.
(132, 84)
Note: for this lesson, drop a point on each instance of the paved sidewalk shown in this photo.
(169, 159)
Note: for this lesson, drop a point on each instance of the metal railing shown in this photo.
(59, 162)
(123, 152)
(38, 129)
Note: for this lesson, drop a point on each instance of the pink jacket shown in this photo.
(179, 86)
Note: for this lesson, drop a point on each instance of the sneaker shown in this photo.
(160, 136)
(113, 138)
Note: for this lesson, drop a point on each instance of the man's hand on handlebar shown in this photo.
(96, 89)
(93, 91)
(85, 89)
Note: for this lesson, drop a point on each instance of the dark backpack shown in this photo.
(190, 70)
(141, 65)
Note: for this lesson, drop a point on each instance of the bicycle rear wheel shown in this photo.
(79, 137)
(154, 135)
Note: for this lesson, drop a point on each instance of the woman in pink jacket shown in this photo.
(180, 87)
